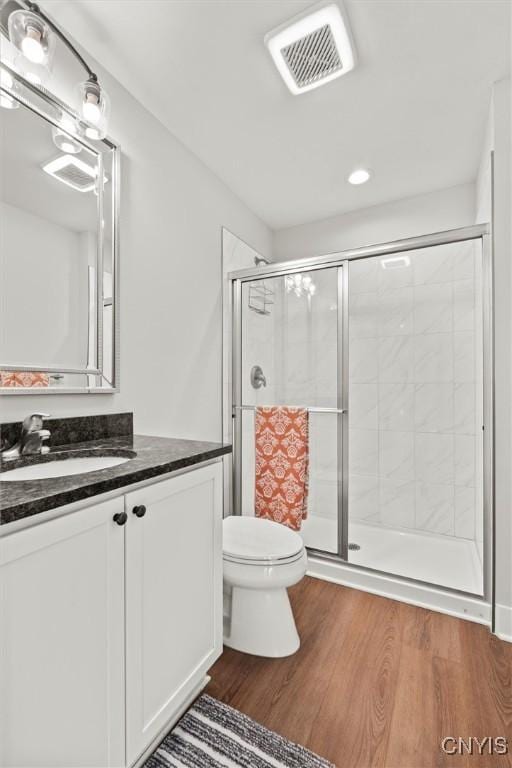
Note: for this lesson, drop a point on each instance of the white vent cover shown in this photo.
(313, 48)
(73, 172)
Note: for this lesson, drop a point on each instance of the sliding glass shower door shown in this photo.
(389, 348)
(290, 338)
(415, 444)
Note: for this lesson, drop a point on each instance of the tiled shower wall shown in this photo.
(415, 409)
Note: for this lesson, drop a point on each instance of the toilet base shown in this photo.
(260, 622)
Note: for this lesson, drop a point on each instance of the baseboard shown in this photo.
(503, 622)
(453, 604)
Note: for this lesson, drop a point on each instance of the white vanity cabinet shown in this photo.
(108, 628)
(62, 642)
(173, 598)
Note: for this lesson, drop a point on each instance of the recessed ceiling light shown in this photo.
(359, 176)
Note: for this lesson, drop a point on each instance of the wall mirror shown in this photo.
(59, 315)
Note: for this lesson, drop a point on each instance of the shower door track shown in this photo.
(340, 259)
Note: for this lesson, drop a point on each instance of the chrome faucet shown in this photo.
(31, 439)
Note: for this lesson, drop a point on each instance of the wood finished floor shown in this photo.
(376, 682)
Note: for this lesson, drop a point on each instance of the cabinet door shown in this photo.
(173, 598)
(62, 642)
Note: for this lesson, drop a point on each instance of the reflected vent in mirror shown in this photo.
(73, 172)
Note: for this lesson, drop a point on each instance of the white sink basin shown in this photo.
(62, 468)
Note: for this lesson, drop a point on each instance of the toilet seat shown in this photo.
(256, 541)
(268, 562)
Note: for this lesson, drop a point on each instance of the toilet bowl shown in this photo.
(261, 560)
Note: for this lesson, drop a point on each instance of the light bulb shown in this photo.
(359, 176)
(31, 45)
(90, 109)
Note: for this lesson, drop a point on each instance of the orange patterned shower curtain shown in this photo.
(282, 464)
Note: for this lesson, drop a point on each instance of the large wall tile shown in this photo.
(363, 360)
(433, 407)
(363, 452)
(464, 357)
(433, 357)
(433, 308)
(396, 455)
(363, 405)
(395, 312)
(363, 276)
(432, 265)
(363, 498)
(464, 408)
(435, 508)
(463, 305)
(397, 503)
(465, 513)
(396, 359)
(434, 458)
(465, 460)
(396, 406)
(363, 318)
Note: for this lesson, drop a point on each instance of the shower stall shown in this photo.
(389, 347)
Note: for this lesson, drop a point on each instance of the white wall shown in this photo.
(420, 215)
(172, 212)
(44, 302)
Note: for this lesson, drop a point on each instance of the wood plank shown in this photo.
(376, 682)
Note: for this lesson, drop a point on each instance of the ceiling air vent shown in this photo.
(313, 48)
(73, 172)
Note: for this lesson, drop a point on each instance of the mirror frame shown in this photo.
(51, 109)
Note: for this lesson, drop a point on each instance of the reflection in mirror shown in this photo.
(56, 238)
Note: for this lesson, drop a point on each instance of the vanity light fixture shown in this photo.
(359, 176)
(34, 35)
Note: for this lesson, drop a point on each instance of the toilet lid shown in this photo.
(252, 538)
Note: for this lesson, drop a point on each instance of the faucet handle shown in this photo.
(34, 421)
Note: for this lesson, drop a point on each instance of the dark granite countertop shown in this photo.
(154, 456)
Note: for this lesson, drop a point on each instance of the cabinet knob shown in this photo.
(139, 510)
(120, 518)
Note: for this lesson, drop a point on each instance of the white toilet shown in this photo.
(261, 559)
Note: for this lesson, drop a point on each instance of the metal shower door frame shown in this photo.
(341, 261)
(340, 410)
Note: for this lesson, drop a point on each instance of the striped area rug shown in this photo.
(213, 735)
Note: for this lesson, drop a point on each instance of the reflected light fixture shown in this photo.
(359, 176)
(34, 35)
(7, 81)
(300, 285)
(395, 262)
(65, 142)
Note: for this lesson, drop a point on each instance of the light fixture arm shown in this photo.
(34, 8)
